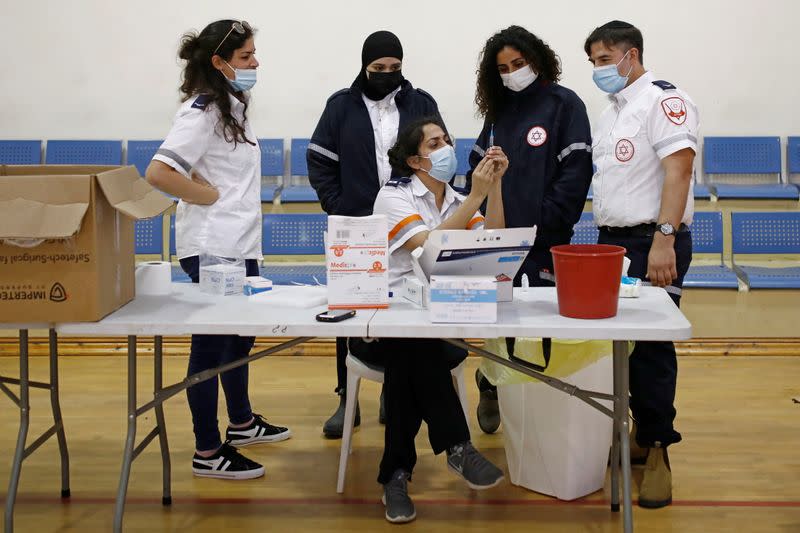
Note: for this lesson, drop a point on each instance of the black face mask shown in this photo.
(380, 84)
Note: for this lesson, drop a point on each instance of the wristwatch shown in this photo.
(666, 228)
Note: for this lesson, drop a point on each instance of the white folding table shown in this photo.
(534, 313)
(22, 450)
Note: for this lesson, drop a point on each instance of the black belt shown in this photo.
(640, 230)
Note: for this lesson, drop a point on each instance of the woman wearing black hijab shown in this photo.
(347, 156)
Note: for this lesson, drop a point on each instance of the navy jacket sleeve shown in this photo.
(565, 196)
(476, 155)
(323, 160)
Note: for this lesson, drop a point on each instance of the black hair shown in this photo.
(200, 77)
(490, 96)
(614, 33)
(408, 141)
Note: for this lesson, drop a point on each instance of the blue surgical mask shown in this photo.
(245, 78)
(608, 78)
(443, 163)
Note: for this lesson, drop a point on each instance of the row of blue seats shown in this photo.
(752, 233)
(730, 164)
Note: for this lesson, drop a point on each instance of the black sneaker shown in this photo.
(334, 426)
(227, 463)
(258, 431)
(477, 470)
(488, 407)
(399, 507)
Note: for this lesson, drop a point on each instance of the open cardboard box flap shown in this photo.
(49, 202)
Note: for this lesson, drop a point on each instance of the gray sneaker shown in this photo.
(477, 471)
(399, 507)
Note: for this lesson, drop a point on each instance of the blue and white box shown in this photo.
(463, 299)
(256, 284)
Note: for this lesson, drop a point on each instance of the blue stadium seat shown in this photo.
(707, 239)
(60, 152)
(773, 233)
(149, 236)
(702, 192)
(140, 153)
(745, 168)
(463, 149)
(298, 169)
(20, 152)
(271, 166)
(793, 160)
(294, 234)
(590, 194)
(585, 231)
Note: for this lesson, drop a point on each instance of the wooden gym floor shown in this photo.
(738, 468)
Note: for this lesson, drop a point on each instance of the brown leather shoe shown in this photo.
(638, 454)
(656, 489)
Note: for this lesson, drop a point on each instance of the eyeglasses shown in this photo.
(238, 27)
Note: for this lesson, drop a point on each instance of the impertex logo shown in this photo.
(57, 293)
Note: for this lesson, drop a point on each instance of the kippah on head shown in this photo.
(616, 25)
(381, 44)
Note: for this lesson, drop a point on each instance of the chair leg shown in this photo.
(461, 387)
(351, 398)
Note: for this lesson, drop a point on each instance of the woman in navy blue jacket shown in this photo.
(544, 130)
(347, 157)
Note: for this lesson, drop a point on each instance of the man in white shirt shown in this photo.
(643, 148)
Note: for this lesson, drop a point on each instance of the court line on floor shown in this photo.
(181, 500)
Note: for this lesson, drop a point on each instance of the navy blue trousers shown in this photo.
(653, 365)
(211, 351)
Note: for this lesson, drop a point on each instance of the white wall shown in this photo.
(109, 69)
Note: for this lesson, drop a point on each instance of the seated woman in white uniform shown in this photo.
(417, 380)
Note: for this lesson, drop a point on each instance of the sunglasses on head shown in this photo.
(238, 27)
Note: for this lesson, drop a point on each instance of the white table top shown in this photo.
(187, 311)
(534, 313)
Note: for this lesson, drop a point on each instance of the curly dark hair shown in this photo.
(408, 141)
(490, 96)
(200, 77)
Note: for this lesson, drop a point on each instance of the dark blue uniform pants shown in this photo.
(211, 351)
(653, 365)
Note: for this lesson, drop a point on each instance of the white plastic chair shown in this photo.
(356, 370)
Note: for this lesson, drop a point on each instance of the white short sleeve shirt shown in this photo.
(231, 227)
(410, 208)
(645, 123)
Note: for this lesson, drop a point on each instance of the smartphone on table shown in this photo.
(336, 315)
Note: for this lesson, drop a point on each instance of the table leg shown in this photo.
(621, 362)
(57, 419)
(130, 440)
(615, 440)
(158, 360)
(22, 436)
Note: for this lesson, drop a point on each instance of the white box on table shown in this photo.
(222, 280)
(463, 299)
(357, 259)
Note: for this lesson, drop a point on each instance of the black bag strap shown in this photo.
(547, 345)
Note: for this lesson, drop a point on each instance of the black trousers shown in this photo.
(211, 351)
(418, 387)
(653, 365)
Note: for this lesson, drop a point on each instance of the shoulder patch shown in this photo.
(396, 182)
(339, 93)
(664, 85)
(201, 101)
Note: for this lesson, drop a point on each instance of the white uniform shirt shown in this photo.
(385, 118)
(644, 124)
(411, 208)
(231, 227)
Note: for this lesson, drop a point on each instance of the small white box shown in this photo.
(222, 280)
(256, 284)
(463, 299)
(415, 291)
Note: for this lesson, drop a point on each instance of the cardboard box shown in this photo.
(463, 299)
(67, 240)
(357, 253)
